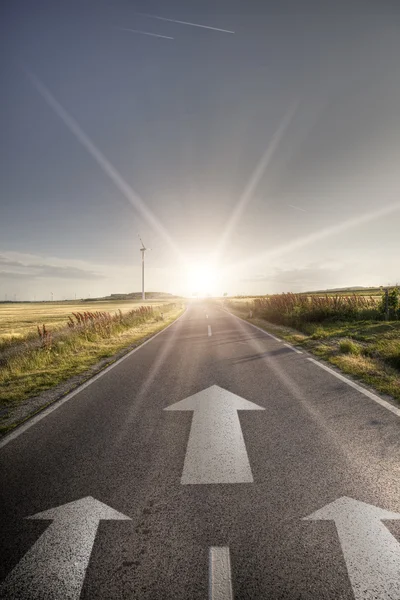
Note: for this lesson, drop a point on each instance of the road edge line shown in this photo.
(358, 387)
(293, 348)
(42, 413)
(255, 326)
(384, 403)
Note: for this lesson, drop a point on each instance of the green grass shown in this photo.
(368, 350)
(350, 347)
(29, 368)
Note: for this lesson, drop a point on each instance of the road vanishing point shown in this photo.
(214, 462)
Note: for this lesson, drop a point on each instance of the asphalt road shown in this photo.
(189, 481)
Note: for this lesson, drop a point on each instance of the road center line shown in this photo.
(293, 348)
(220, 586)
(209, 331)
(357, 387)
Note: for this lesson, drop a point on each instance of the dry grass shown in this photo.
(19, 320)
(296, 309)
(49, 356)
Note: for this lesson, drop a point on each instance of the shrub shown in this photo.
(393, 303)
(350, 347)
(297, 309)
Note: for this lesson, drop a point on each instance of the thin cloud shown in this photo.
(297, 208)
(8, 262)
(19, 266)
(157, 35)
(51, 272)
(311, 274)
(184, 23)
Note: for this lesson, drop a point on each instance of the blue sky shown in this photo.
(294, 117)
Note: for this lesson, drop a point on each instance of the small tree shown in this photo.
(392, 306)
(394, 303)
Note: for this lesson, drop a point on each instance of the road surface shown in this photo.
(268, 477)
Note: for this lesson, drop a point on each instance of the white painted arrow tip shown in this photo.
(212, 396)
(87, 507)
(346, 507)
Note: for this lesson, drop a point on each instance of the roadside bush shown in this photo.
(393, 304)
(106, 325)
(350, 347)
(297, 309)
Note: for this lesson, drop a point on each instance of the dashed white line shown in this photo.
(220, 582)
(293, 348)
(357, 387)
(209, 331)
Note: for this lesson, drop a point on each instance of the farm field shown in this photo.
(17, 320)
(358, 292)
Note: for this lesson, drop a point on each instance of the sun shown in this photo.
(201, 279)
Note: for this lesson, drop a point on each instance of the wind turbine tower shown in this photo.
(143, 250)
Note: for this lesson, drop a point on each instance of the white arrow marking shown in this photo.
(55, 566)
(371, 552)
(220, 587)
(216, 452)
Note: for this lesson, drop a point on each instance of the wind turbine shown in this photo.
(143, 250)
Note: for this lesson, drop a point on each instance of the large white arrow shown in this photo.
(55, 566)
(216, 452)
(371, 552)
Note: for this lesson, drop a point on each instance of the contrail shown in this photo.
(256, 176)
(157, 35)
(184, 23)
(297, 207)
(101, 160)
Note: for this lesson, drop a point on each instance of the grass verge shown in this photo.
(368, 350)
(31, 369)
